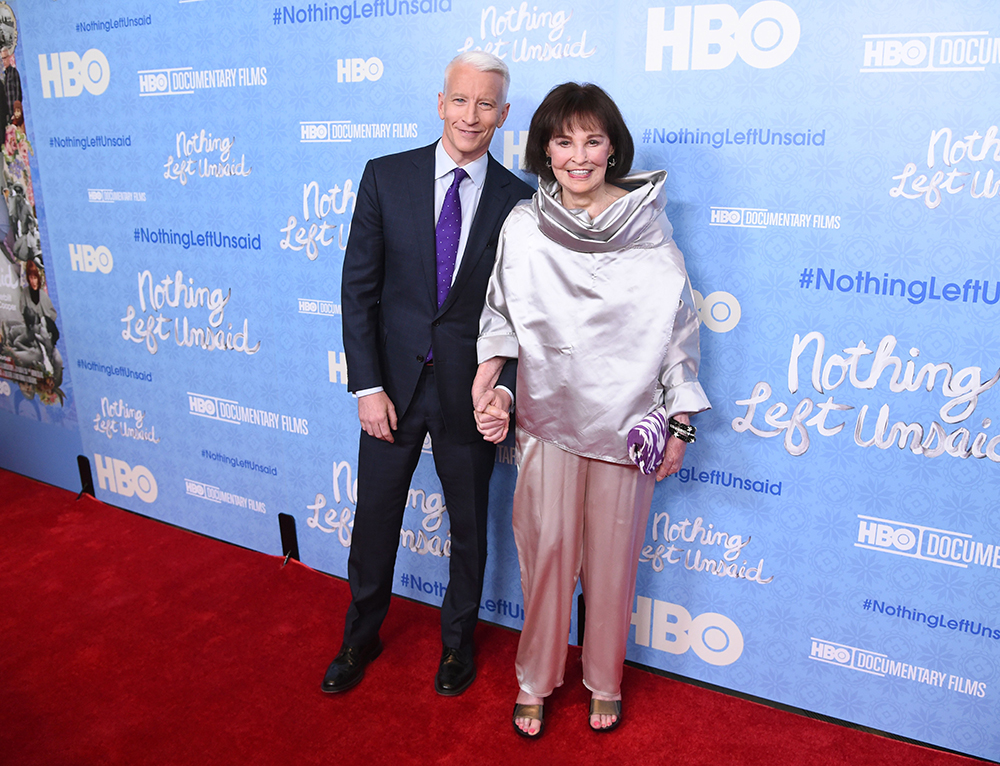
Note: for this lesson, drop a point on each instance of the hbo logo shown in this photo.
(668, 627)
(119, 477)
(314, 132)
(68, 73)
(764, 37)
(359, 70)
(884, 536)
(201, 406)
(829, 652)
(194, 488)
(87, 258)
(153, 82)
(889, 53)
(720, 215)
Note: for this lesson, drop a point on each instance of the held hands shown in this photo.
(492, 412)
(673, 453)
(377, 415)
(491, 407)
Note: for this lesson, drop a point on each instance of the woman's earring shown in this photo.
(612, 161)
(548, 162)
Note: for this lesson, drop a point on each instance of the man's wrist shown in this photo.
(509, 393)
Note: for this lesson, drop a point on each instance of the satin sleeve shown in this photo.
(496, 331)
(679, 372)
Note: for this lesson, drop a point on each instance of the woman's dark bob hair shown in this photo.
(573, 105)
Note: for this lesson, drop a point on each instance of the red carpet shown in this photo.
(126, 641)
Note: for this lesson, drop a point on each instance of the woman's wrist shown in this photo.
(681, 430)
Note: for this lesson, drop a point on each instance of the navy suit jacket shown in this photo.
(389, 288)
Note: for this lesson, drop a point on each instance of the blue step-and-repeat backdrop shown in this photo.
(180, 179)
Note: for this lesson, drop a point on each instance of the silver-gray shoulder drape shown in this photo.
(599, 313)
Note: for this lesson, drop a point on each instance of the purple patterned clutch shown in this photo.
(647, 441)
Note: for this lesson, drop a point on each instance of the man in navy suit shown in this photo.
(411, 319)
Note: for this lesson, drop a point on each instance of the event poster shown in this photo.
(31, 358)
(831, 542)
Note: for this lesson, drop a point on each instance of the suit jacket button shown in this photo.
(419, 358)
(435, 323)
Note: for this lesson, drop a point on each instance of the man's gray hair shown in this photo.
(484, 62)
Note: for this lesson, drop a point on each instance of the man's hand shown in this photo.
(492, 411)
(377, 415)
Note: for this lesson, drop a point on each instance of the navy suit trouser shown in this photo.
(384, 474)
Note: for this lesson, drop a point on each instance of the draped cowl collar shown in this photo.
(629, 222)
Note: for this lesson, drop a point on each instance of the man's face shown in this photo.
(471, 111)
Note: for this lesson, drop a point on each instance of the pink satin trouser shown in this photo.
(576, 518)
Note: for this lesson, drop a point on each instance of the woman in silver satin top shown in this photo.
(590, 294)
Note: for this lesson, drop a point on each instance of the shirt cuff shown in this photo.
(489, 346)
(509, 393)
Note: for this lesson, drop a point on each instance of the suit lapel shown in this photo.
(421, 194)
(491, 207)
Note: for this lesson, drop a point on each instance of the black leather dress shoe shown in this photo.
(456, 672)
(348, 667)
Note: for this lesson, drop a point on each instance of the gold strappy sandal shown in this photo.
(533, 712)
(605, 707)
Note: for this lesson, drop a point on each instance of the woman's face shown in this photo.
(580, 159)
(33, 280)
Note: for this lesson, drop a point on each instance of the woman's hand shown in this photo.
(487, 376)
(673, 458)
(673, 453)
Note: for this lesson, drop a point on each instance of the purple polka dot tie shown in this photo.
(449, 230)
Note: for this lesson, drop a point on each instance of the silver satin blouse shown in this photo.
(599, 313)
